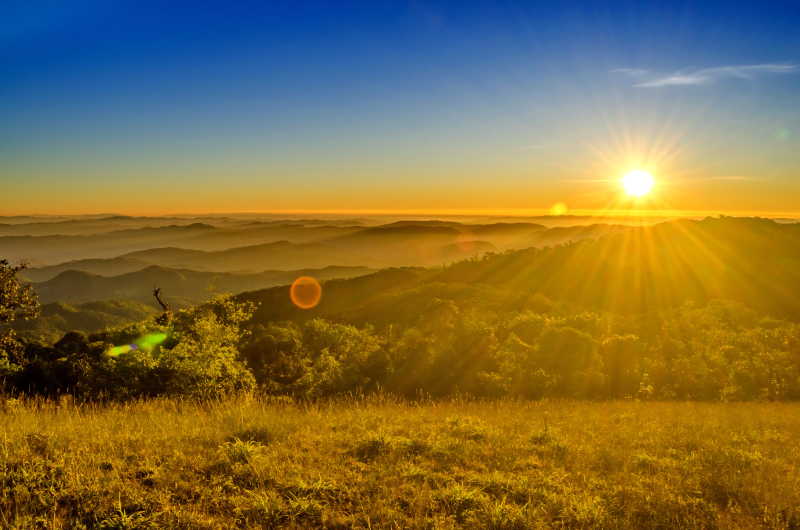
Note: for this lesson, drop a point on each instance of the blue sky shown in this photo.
(226, 106)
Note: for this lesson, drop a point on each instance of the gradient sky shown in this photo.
(153, 107)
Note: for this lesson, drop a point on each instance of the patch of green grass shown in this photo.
(380, 463)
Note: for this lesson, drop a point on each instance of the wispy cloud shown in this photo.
(733, 177)
(707, 76)
(633, 72)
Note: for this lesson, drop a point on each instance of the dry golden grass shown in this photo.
(383, 464)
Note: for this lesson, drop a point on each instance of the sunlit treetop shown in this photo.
(17, 299)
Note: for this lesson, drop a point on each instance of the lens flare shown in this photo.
(119, 350)
(305, 292)
(559, 208)
(145, 342)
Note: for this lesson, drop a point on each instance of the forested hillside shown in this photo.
(684, 309)
(187, 286)
(641, 270)
(59, 318)
(121, 259)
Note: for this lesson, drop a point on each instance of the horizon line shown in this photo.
(489, 212)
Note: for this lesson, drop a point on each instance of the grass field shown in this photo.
(382, 464)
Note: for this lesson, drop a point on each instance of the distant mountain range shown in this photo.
(622, 270)
(197, 236)
(280, 246)
(96, 224)
(639, 270)
(181, 286)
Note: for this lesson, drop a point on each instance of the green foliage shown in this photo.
(316, 359)
(588, 320)
(17, 301)
(196, 357)
(59, 318)
(721, 351)
(621, 356)
(204, 361)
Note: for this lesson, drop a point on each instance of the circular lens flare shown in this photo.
(305, 292)
(638, 183)
(559, 208)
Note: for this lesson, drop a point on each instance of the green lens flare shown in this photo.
(116, 350)
(145, 343)
(150, 341)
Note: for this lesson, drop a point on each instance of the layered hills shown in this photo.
(639, 270)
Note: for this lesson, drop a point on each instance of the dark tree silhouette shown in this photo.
(165, 317)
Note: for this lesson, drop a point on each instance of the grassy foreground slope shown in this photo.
(383, 464)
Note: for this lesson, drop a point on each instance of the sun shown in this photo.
(638, 183)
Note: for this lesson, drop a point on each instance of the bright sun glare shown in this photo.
(638, 183)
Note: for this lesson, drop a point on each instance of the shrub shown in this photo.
(197, 357)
